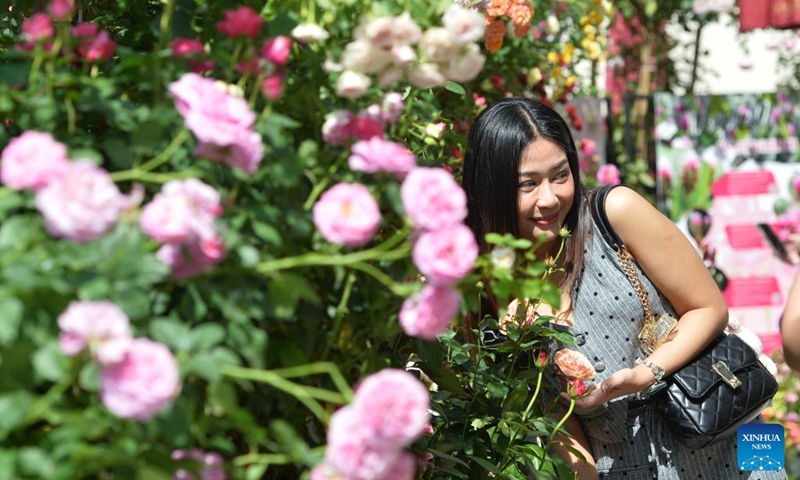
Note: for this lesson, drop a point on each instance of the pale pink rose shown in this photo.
(307, 33)
(438, 46)
(432, 198)
(211, 113)
(81, 205)
(143, 383)
(335, 130)
(350, 451)
(392, 408)
(573, 364)
(429, 313)
(403, 55)
(32, 160)
(347, 214)
(100, 326)
(467, 65)
(276, 50)
(608, 174)
(363, 56)
(244, 153)
(426, 75)
(404, 468)
(61, 9)
(405, 30)
(242, 21)
(37, 27)
(447, 255)
(379, 155)
(392, 106)
(189, 259)
(184, 210)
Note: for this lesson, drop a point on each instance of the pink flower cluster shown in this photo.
(93, 44)
(444, 252)
(347, 214)
(195, 53)
(138, 377)
(221, 121)
(212, 468)
(182, 217)
(342, 125)
(78, 200)
(608, 174)
(367, 439)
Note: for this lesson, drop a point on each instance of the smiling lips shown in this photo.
(545, 221)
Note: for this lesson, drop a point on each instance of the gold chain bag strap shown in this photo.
(655, 331)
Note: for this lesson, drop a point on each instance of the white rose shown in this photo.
(437, 45)
(309, 33)
(352, 84)
(426, 75)
(379, 32)
(389, 77)
(363, 56)
(552, 26)
(467, 66)
(405, 30)
(464, 25)
(403, 55)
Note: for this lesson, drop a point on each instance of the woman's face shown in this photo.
(546, 191)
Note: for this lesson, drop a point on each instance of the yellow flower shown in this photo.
(534, 76)
(601, 40)
(553, 57)
(556, 72)
(569, 48)
(566, 57)
(571, 81)
(563, 232)
(584, 20)
(594, 50)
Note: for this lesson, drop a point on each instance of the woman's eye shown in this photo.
(528, 184)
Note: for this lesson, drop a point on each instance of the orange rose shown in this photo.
(494, 35)
(574, 364)
(520, 31)
(498, 8)
(521, 15)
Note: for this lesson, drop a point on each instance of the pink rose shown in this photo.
(97, 48)
(430, 312)
(392, 408)
(211, 113)
(347, 214)
(573, 364)
(37, 27)
(242, 21)
(61, 9)
(276, 50)
(143, 383)
(86, 29)
(272, 86)
(588, 146)
(433, 199)
(392, 106)
(32, 160)
(379, 155)
(243, 153)
(187, 47)
(365, 128)
(323, 471)
(81, 205)
(608, 175)
(100, 325)
(446, 255)
(350, 451)
(404, 468)
(189, 259)
(211, 465)
(183, 211)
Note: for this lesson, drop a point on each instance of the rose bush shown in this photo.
(215, 222)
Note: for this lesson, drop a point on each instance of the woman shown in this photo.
(521, 175)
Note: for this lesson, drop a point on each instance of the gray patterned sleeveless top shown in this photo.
(607, 318)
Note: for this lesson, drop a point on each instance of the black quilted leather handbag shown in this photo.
(722, 388)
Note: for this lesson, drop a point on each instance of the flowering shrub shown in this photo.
(216, 220)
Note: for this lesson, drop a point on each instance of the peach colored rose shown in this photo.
(574, 364)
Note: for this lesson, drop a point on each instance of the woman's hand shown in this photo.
(622, 382)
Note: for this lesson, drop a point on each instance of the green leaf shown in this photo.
(8, 465)
(515, 401)
(10, 318)
(291, 443)
(203, 365)
(14, 407)
(454, 87)
(171, 333)
(485, 464)
(49, 363)
(207, 336)
(35, 462)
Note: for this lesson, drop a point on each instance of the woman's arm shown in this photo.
(674, 266)
(586, 469)
(790, 325)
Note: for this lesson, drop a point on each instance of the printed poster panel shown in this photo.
(728, 175)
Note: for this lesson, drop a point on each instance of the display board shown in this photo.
(727, 174)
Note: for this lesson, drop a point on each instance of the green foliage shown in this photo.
(270, 341)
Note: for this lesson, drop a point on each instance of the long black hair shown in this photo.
(490, 175)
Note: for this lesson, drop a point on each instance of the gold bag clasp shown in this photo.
(723, 371)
